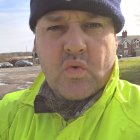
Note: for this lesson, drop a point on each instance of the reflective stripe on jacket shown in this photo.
(115, 116)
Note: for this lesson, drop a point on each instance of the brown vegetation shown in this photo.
(12, 57)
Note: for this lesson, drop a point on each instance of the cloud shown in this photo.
(14, 29)
(14, 5)
(131, 13)
(15, 39)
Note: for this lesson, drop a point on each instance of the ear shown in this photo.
(34, 46)
(116, 41)
(35, 49)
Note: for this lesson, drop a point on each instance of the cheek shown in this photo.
(110, 53)
(96, 50)
(102, 52)
(49, 55)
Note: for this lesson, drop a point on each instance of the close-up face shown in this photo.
(77, 51)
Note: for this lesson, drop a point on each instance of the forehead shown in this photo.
(71, 15)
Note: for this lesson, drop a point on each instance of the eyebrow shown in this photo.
(54, 18)
(58, 18)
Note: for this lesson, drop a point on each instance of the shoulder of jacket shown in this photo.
(128, 91)
(9, 105)
(23, 96)
(128, 95)
(13, 102)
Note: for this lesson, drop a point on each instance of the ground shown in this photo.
(12, 79)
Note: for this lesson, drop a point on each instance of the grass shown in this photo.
(130, 69)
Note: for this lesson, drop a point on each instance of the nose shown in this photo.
(75, 43)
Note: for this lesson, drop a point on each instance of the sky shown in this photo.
(16, 36)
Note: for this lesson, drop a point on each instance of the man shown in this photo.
(78, 95)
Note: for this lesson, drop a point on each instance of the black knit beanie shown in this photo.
(108, 8)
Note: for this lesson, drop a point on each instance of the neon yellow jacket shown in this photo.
(115, 116)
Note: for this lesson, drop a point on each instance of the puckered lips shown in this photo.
(74, 68)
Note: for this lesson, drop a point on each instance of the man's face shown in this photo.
(77, 51)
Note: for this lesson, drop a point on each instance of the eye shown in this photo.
(56, 28)
(92, 25)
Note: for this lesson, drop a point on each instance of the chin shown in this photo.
(76, 96)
